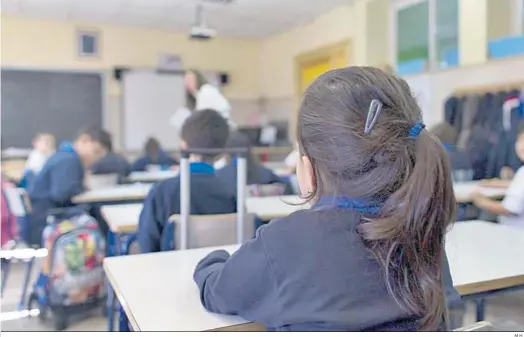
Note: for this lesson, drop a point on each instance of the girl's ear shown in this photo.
(183, 145)
(306, 176)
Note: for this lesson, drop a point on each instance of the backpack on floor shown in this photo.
(72, 278)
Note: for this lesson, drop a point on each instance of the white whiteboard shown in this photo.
(149, 101)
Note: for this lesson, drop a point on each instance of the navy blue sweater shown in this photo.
(112, 163)
(163, 160)
(209, 195)
(59, 181)
(309, 271)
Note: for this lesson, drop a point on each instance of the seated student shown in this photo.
(256, 174)
(153, 155)
(112, 163)
(205, 129)
(369, 254)
(43, 148)
(460, 161)
(511, 209)
(63, 177)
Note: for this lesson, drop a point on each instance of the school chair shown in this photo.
(211, 230)
(479, 326)
(97, 181)
(20, 207)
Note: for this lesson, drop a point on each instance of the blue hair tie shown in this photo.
(414, 132)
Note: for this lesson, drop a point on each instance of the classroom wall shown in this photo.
(35, 43)
(277, 53)
(500, 18)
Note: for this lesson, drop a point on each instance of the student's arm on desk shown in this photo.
(149, 224)
(241, 284)
(487, 204)
(67, 180)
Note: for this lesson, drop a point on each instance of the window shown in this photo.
(88, 44)
(447, 33)
(426, 35)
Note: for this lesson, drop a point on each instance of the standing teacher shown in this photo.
(202, 95)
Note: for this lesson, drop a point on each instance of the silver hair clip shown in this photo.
(375, 107)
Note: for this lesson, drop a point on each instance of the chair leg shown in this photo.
(5, 272)
(28, 273)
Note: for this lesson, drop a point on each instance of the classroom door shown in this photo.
(318, 63)
(311, 72)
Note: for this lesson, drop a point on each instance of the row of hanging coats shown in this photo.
(487, 124)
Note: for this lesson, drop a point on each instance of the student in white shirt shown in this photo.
(202, 95)
(43, 148)
(511, 209)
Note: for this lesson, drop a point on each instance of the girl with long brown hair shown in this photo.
(369, 254)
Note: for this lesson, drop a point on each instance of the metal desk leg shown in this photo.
(5, 272)
(123, 323)
(480, 309)
(111, 251)
(110, 308)
(29, 270)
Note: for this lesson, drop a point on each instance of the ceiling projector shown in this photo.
(200, 30)
(202, 33)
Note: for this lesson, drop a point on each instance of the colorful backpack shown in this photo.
(72, 274)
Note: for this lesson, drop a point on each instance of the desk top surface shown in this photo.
(151, 176)
(485, 259)
(114, 193)
(464, 190)
(122, 218)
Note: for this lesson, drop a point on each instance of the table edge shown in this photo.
(121, 298)
(496, 284)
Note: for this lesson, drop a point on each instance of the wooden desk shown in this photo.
(463, 191)
(171, 301)
(122, 218)
(114, 194)
(258, 150)
(482, 257)
(150, 177)
(13, 169)
(268, 208)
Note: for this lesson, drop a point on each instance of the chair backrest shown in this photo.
(97, 181)
(479, 326)
(214, 230)
(18, 201)
(266, 190)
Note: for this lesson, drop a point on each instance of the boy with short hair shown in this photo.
(205, 129)
(62, 177)
(511, 209)
(112, 163)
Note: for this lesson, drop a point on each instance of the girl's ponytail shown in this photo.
(408, 236)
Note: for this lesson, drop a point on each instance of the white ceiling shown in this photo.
(241, 18)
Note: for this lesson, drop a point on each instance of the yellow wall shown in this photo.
(500, 18)
(277, 53)
(473, 31)
(52, 44)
